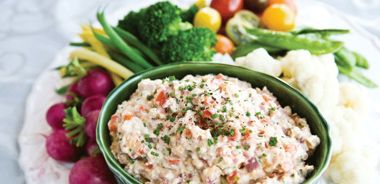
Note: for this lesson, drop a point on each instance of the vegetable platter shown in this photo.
(320, 29)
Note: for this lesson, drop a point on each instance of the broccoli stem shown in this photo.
(131, 39)
(119, 43)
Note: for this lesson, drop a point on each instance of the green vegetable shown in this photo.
(126, 62)
(195, 44)
(345, 58)
(166, 139)
(288, 41)
(159, 22)
(131, 39)
(244, 49)
(120, 44)
(324, 33)
(80, 44)
(158, 129)
(130, 21)
(273, 141)
(74, 124)
(62, 90)
(357, 76)
(210, 142)
(237, 25)
(73, 69)
(189, 14)
(361, 61)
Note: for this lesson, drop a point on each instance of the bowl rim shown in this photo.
(102, 121)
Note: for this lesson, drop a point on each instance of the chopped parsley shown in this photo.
(224, 109)
(170, 118)
(166, 139)
(213, 116)
(232, 132)
(238, 147)
(158, 129)
(198, 149)
(248, 114)
(180, 129)
(273, 141)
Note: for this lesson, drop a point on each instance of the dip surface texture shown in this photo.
(209, 129)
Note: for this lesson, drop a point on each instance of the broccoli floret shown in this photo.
(160, 21)
(130, 21)
(195, 44)
(189, 14)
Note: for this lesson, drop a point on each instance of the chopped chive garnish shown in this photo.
(273, 141)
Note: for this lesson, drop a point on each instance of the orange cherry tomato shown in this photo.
(279, 17)
(290, 3)
(224, 45)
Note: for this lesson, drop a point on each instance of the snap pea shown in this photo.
(288, 41)
(357, 76)
(322, 32)
(131, 39)
(120, 44)
(345, 58)
(244, 49)
(361, 61)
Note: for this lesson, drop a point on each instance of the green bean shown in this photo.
(131, 39)
(80, 44)
(361, 61)
(119, 42)
(288, 41)
(357, 76)
(107, 42)
(127, 63)
(244, 49)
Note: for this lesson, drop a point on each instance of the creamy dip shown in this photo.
(210, 129)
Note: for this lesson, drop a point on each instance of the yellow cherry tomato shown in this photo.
(279, 17)
(201, 3)
(209, 18)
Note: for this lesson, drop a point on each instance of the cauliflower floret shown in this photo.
(223, 59)
(351, 96)
(354, 166)
(314, 76)
(260, 60)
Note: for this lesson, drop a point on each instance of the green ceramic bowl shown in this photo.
(286, 95)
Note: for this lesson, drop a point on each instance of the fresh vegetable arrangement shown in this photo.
(164, 33)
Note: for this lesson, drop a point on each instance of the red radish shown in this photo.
(55, 115)
(96, 82)
(92, 103)
(59, 148)
(91, 122)
(91, 170)
(72, 91)
(92, 148)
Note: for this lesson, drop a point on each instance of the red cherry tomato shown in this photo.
(257, 6)
(227, 8)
